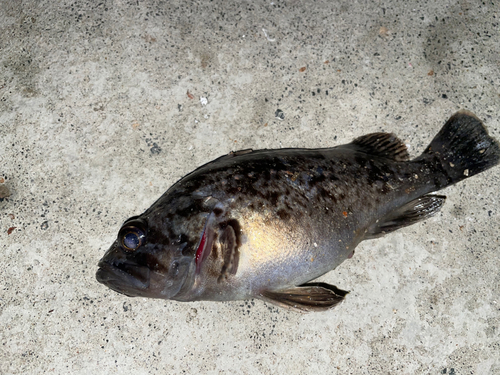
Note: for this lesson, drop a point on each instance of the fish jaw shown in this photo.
(121, 276)
(144, 276)
(122, 281)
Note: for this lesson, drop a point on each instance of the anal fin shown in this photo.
(417, 210)
(310, 297)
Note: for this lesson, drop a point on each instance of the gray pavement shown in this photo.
(102, 108)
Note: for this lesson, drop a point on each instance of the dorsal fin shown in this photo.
(386, 145)
(240, 152)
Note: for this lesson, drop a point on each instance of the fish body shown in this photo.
(263, 224)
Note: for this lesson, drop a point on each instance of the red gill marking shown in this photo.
(199, 252)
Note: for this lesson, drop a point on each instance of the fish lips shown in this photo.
(128, 279)
(122, 276)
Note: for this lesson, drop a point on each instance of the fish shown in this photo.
(266, 223)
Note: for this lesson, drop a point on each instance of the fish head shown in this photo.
(146, 261)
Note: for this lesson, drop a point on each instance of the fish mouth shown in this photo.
(125, 278)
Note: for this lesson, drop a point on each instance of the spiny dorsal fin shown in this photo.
(240, 152)
(386, 145)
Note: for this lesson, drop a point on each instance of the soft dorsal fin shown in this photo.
(386, 145)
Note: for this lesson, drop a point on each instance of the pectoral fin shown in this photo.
(311, 297)
(229, 249)
(408, 214)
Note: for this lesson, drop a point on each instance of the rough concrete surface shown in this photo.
(100, 113)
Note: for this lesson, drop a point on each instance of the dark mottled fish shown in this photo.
(263, 224)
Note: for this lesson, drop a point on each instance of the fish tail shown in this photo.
(461, 149)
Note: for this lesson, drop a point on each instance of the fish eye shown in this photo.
(132, 236)
(132, 240)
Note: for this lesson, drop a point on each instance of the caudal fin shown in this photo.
(462, 148)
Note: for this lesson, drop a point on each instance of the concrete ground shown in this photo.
(100, 112)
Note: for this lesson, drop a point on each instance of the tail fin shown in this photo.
(462, 148)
